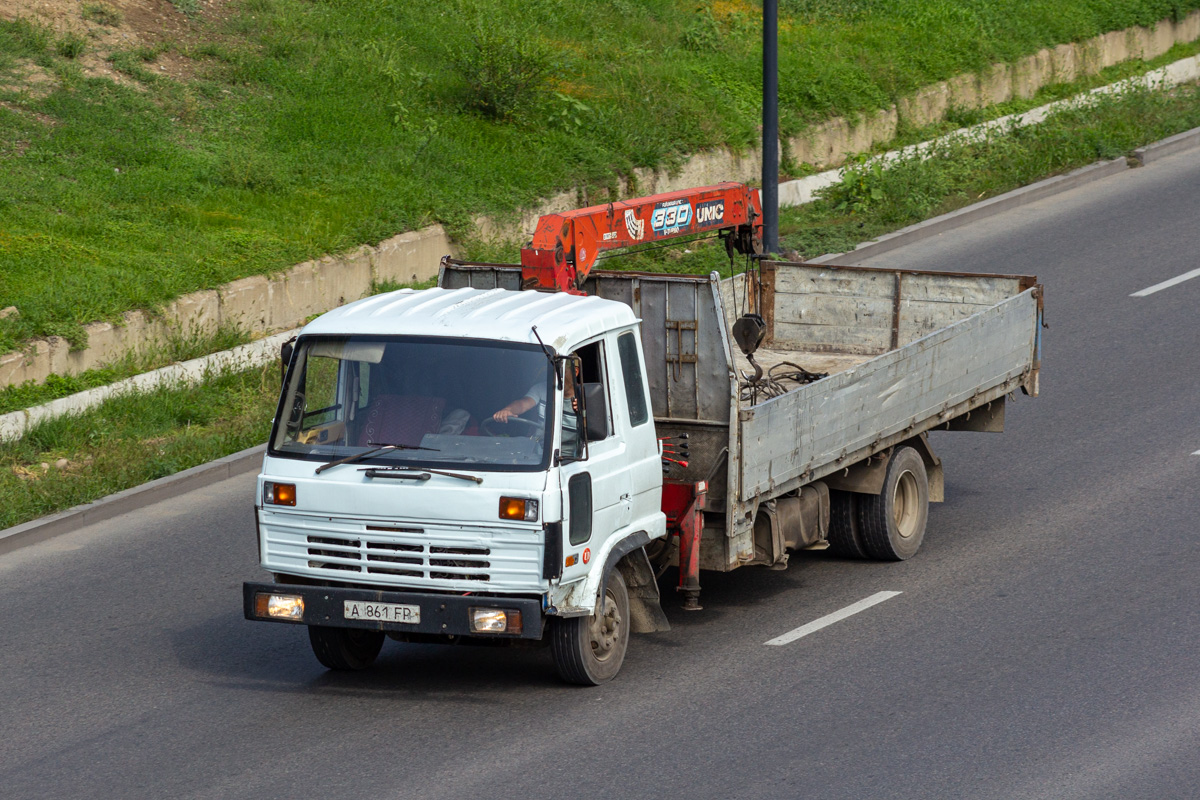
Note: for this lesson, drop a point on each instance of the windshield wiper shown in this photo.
(415, 473)
(380, 448)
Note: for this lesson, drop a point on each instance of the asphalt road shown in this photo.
(1044, 644)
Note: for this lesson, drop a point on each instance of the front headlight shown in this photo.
(495, 620)
(279, 606)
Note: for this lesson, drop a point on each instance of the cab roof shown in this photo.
(562, 320)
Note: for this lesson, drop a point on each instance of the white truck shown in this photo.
(394, 502)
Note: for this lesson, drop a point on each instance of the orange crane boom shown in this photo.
(566, 245)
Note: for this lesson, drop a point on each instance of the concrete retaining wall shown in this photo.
(263, 304)
(259, 304)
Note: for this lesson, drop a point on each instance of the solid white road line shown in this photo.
(1158, 287)
(1197, 453)
(829, 619)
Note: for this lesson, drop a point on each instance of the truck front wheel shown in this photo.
(892, 523)
(345, 648)
(589, 650)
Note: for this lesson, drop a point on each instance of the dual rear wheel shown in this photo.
(888, 526)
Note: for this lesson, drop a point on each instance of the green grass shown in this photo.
(315, 126)
(962, 117)
(870, 202)
(133, 439)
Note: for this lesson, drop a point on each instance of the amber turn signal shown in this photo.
(519, 509)
(279, 494)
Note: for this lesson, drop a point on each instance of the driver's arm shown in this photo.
(515, 408)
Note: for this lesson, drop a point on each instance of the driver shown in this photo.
(536, 396)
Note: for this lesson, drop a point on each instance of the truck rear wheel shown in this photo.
(345, 648)
(588, 651)
(892, 523)
(844, 537)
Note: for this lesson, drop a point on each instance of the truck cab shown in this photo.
(398, 499)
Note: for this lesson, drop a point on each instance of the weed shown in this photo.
(23, 37)
(571, 113)
(71, 45)
(189, 8)
(506, 70)
(861, 186)
(703, 34)
(101, 14)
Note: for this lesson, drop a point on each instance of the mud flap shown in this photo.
(645, 606)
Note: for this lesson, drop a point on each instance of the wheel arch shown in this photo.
(868, 475)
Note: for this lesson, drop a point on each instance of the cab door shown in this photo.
(596, 480)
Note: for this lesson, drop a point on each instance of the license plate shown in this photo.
(381, 612)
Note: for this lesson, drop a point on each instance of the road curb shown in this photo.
(1168, 147)
(978, 211)
(39, 530)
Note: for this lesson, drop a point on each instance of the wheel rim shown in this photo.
(606, 629)
(906, 501)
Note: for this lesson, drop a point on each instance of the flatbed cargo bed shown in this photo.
(905, 351)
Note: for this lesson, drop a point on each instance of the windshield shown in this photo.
(435, 400)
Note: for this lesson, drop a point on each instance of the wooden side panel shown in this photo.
(820, 308)
(929, 301)
(903, 390)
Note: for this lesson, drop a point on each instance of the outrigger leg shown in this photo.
(691, 524)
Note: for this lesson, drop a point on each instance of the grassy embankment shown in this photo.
(134, 439)
(190, 346)
(288, 129)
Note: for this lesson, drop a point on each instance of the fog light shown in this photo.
(518, 508)
(279, 494)
(495, 620)
(279, 606)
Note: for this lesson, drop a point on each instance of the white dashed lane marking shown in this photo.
(1158, 287)
(829, 619)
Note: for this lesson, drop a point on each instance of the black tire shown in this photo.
(588, 651)
(345, 648)
(892, 523)
(844, 538)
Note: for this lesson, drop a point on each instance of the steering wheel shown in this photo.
(521, 427)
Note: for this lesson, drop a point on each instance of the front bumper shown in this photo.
(440, 613)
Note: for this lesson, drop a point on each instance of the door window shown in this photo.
(631, 372)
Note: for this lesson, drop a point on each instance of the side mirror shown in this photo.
(595, 412)
(285, 356)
